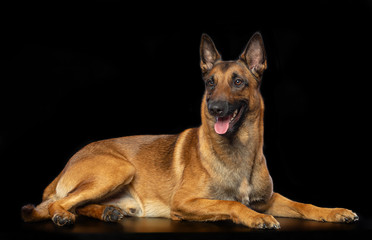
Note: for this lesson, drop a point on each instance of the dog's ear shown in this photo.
(254, 55)
(208, 53)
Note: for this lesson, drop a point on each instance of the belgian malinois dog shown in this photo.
(215, 172)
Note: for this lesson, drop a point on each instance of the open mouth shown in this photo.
(226, 123)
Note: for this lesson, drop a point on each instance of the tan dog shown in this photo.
(214, 172)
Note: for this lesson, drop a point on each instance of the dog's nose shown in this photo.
(218, 108)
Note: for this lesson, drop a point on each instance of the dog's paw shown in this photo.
(112, 214)
(63, 219)
(340, 215)
(263, 221)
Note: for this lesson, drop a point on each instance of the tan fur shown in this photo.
(196, 175)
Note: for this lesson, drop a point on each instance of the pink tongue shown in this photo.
(222, 124)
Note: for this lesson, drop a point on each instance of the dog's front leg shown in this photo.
(215, 210)
(280, 206)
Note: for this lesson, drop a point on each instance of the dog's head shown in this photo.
(231, 87)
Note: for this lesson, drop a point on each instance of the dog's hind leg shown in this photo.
(79, 187)
(105, 213)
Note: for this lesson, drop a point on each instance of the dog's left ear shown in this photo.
(254, 55)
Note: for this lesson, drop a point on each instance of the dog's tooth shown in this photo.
(234, 115)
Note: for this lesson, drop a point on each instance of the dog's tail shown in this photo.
(30, 213)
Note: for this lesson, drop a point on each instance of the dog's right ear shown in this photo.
(208, 53)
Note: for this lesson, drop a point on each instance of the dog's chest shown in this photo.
(239, 180)
(233, 189)
(242, 187)
(244, 192)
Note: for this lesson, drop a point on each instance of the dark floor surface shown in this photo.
(157, 228)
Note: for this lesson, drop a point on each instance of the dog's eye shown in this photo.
(238, 82)
(210, 82)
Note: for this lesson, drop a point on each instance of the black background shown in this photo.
(78, 73)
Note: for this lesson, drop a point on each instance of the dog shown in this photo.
(215, 172)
